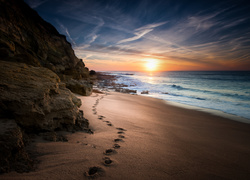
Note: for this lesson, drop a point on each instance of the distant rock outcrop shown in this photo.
(38, 72)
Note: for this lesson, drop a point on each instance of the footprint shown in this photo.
(118, 140)
(120, 132)
(107, 121)
(107, 161)
(121, 129)
(116, 146)
(121, 136)
(94, 172)
(109, 124)
(109, 151)
(101, 117)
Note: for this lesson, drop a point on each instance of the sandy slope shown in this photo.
(160, 142)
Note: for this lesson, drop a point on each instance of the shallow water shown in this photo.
(228, 91)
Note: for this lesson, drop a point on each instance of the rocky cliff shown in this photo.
(25, 37)
(39, 72)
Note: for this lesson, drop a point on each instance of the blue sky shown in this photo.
(179, 35)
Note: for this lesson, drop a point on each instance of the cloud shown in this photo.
(67, 33)
(138, 35)
(35, 3)
(140, 32)
(108, 49)
(93, 35)
(235, 23)
(151, 26)
(93, 39)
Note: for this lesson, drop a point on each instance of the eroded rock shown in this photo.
(13, 155)
(80, 87)
(36, 99)
(25, 37)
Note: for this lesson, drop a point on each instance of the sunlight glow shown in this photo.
(151, 65)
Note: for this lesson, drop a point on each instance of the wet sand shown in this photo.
(139, 137)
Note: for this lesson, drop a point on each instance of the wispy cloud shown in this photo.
(67, 33)
(93, 35)
(151, 26)
(36, 3)
(140, 32)
(137, 36)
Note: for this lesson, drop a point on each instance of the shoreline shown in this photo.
(216, 112)
(232, 111)
(151, 140)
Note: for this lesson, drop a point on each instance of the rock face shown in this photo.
(25, 37)
(37, 99)
(32, 99)
(13, 155)
(79, 87)
(38, 72)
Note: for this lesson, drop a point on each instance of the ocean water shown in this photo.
(228, 91)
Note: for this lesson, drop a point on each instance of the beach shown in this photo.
(157, 141)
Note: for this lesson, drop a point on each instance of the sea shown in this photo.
(224, 91)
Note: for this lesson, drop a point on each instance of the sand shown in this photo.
(157, 141)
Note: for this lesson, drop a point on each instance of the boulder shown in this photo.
(36, 99)
(13, 155)
(145, 92)
(80, 87)
(128, 91)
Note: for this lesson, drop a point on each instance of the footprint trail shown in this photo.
(96, 171)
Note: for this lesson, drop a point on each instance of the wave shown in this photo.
(161, 88)
(194, 89)
(233, 95)
(177, 87)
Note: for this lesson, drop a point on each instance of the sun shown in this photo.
(151, 65)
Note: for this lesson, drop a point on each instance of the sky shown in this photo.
(153, 35)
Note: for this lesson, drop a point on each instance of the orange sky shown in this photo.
(141, 64)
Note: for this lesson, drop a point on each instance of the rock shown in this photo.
(33, 98)
(76, 101)
(53, 136)
(25, 37)
(37, 100)
(144, 92)
(92, 73)
(79, 87)
(13, 155)
(97, 91)
(128, 91)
